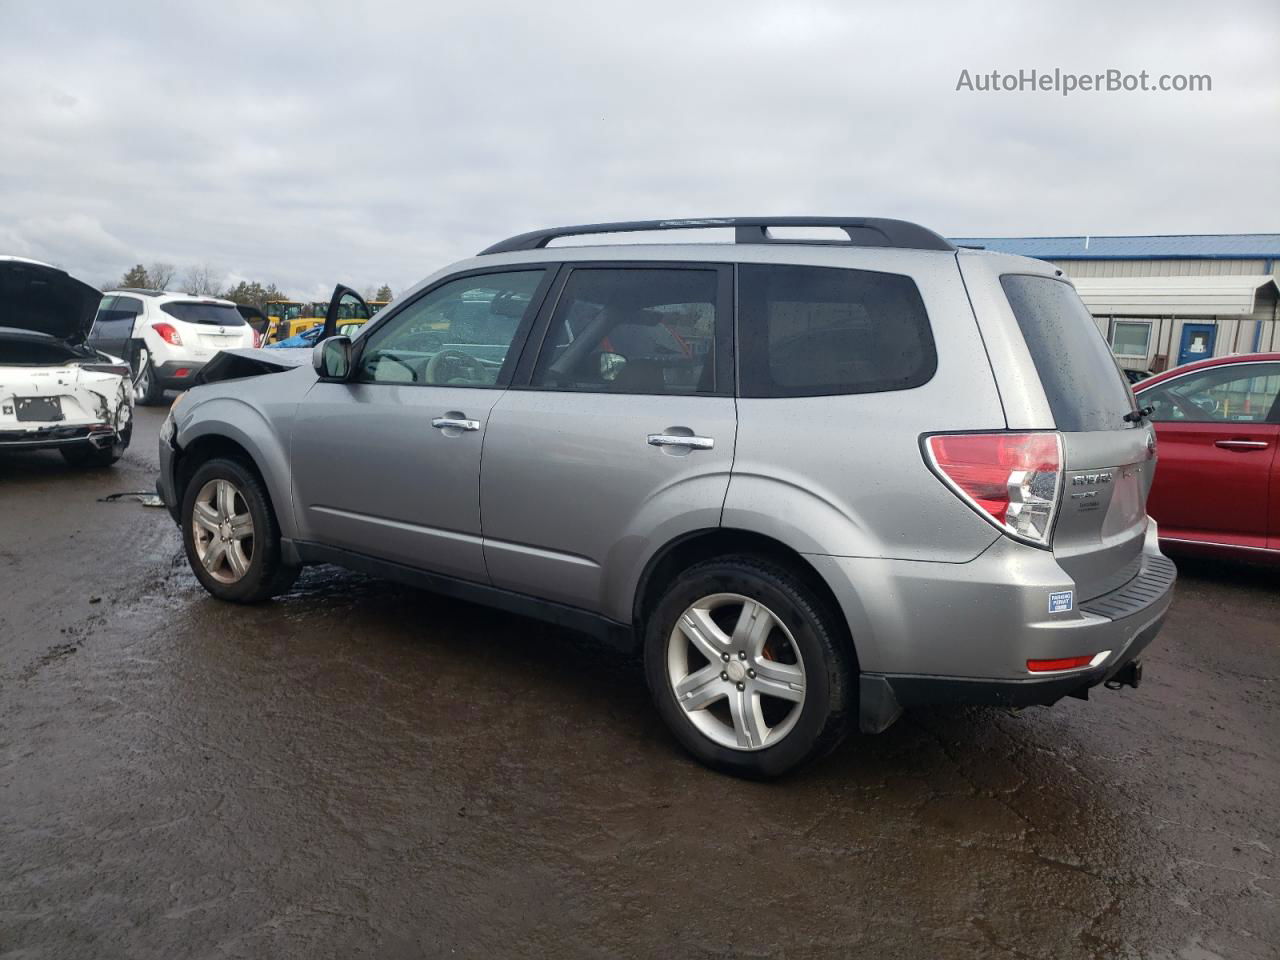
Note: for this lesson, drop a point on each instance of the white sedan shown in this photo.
(55, 391)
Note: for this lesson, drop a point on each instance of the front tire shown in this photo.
(231, 535)
(147, 391)
(748, 667)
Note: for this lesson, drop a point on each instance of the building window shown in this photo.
(1131, 338)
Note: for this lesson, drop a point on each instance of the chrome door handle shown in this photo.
(441, 423)
(675, 440)
(1241, 444)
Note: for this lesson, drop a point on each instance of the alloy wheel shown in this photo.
(736, 671)
(222, 530)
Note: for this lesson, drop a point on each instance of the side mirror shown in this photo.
(332, 359)
(611, 365)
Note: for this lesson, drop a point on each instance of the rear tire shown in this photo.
(87, 455)
(786, 689)
(231, 535)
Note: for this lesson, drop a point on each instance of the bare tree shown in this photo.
(161, 275)
(202, 281)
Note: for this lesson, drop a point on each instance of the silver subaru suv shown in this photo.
(813, 481)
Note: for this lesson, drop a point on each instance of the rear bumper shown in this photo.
(177, 374)
(883, 697)
(932, 633)
(99, 435)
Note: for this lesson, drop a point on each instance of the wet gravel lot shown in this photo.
(363, 770)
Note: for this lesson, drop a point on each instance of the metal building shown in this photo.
(1163, 301)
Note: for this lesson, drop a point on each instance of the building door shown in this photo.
(1197, 342)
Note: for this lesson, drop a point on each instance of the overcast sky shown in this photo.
(369, 142)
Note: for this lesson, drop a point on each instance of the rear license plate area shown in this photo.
(38, 409)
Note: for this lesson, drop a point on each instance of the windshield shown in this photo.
(218, 314)
(284, 310)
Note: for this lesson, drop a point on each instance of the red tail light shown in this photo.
(257, 338)
(167, 333)
(1013, 479)
(1063, 663)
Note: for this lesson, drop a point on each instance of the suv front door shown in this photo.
(617, 438)
(113, 326)
(1217, 435)
(387, 464)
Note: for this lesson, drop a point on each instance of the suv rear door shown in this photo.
(1102, 519)
(618, 436)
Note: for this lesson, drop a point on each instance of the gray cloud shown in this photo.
(310, 143)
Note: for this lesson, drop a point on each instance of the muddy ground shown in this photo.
(362, 770)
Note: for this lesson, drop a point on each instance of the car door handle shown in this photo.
(1241, 444)
(441, 423)
(675, 440)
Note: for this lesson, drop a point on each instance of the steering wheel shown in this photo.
(1189, 408)
(450, 365)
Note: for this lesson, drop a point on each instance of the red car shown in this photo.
(1217, 487)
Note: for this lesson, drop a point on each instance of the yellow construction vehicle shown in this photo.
(287, 317)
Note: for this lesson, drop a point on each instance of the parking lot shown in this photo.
(360, 769)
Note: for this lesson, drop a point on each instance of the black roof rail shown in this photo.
(140, 290)
(862, 232)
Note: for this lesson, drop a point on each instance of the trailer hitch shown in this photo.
(1130, 675)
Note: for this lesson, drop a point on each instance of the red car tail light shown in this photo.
(1062, 663)
(257, 338)
(1012, 479)
(168, 334)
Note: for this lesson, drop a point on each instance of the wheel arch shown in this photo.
(208, 439)
(699, 545)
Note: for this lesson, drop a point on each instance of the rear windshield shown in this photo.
(1081, 381)
(219, 314)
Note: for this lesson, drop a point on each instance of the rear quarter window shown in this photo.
(819, 331)
(1085, 389)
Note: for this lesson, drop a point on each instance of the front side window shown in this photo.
(105, 309)
(1131, 338)
(1244, 393)
(459, 334)
(115, 317)
(819, 331)
(632, 330)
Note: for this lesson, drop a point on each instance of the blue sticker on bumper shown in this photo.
(1060, 602)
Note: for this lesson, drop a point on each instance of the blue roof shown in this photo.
(1220, 246)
